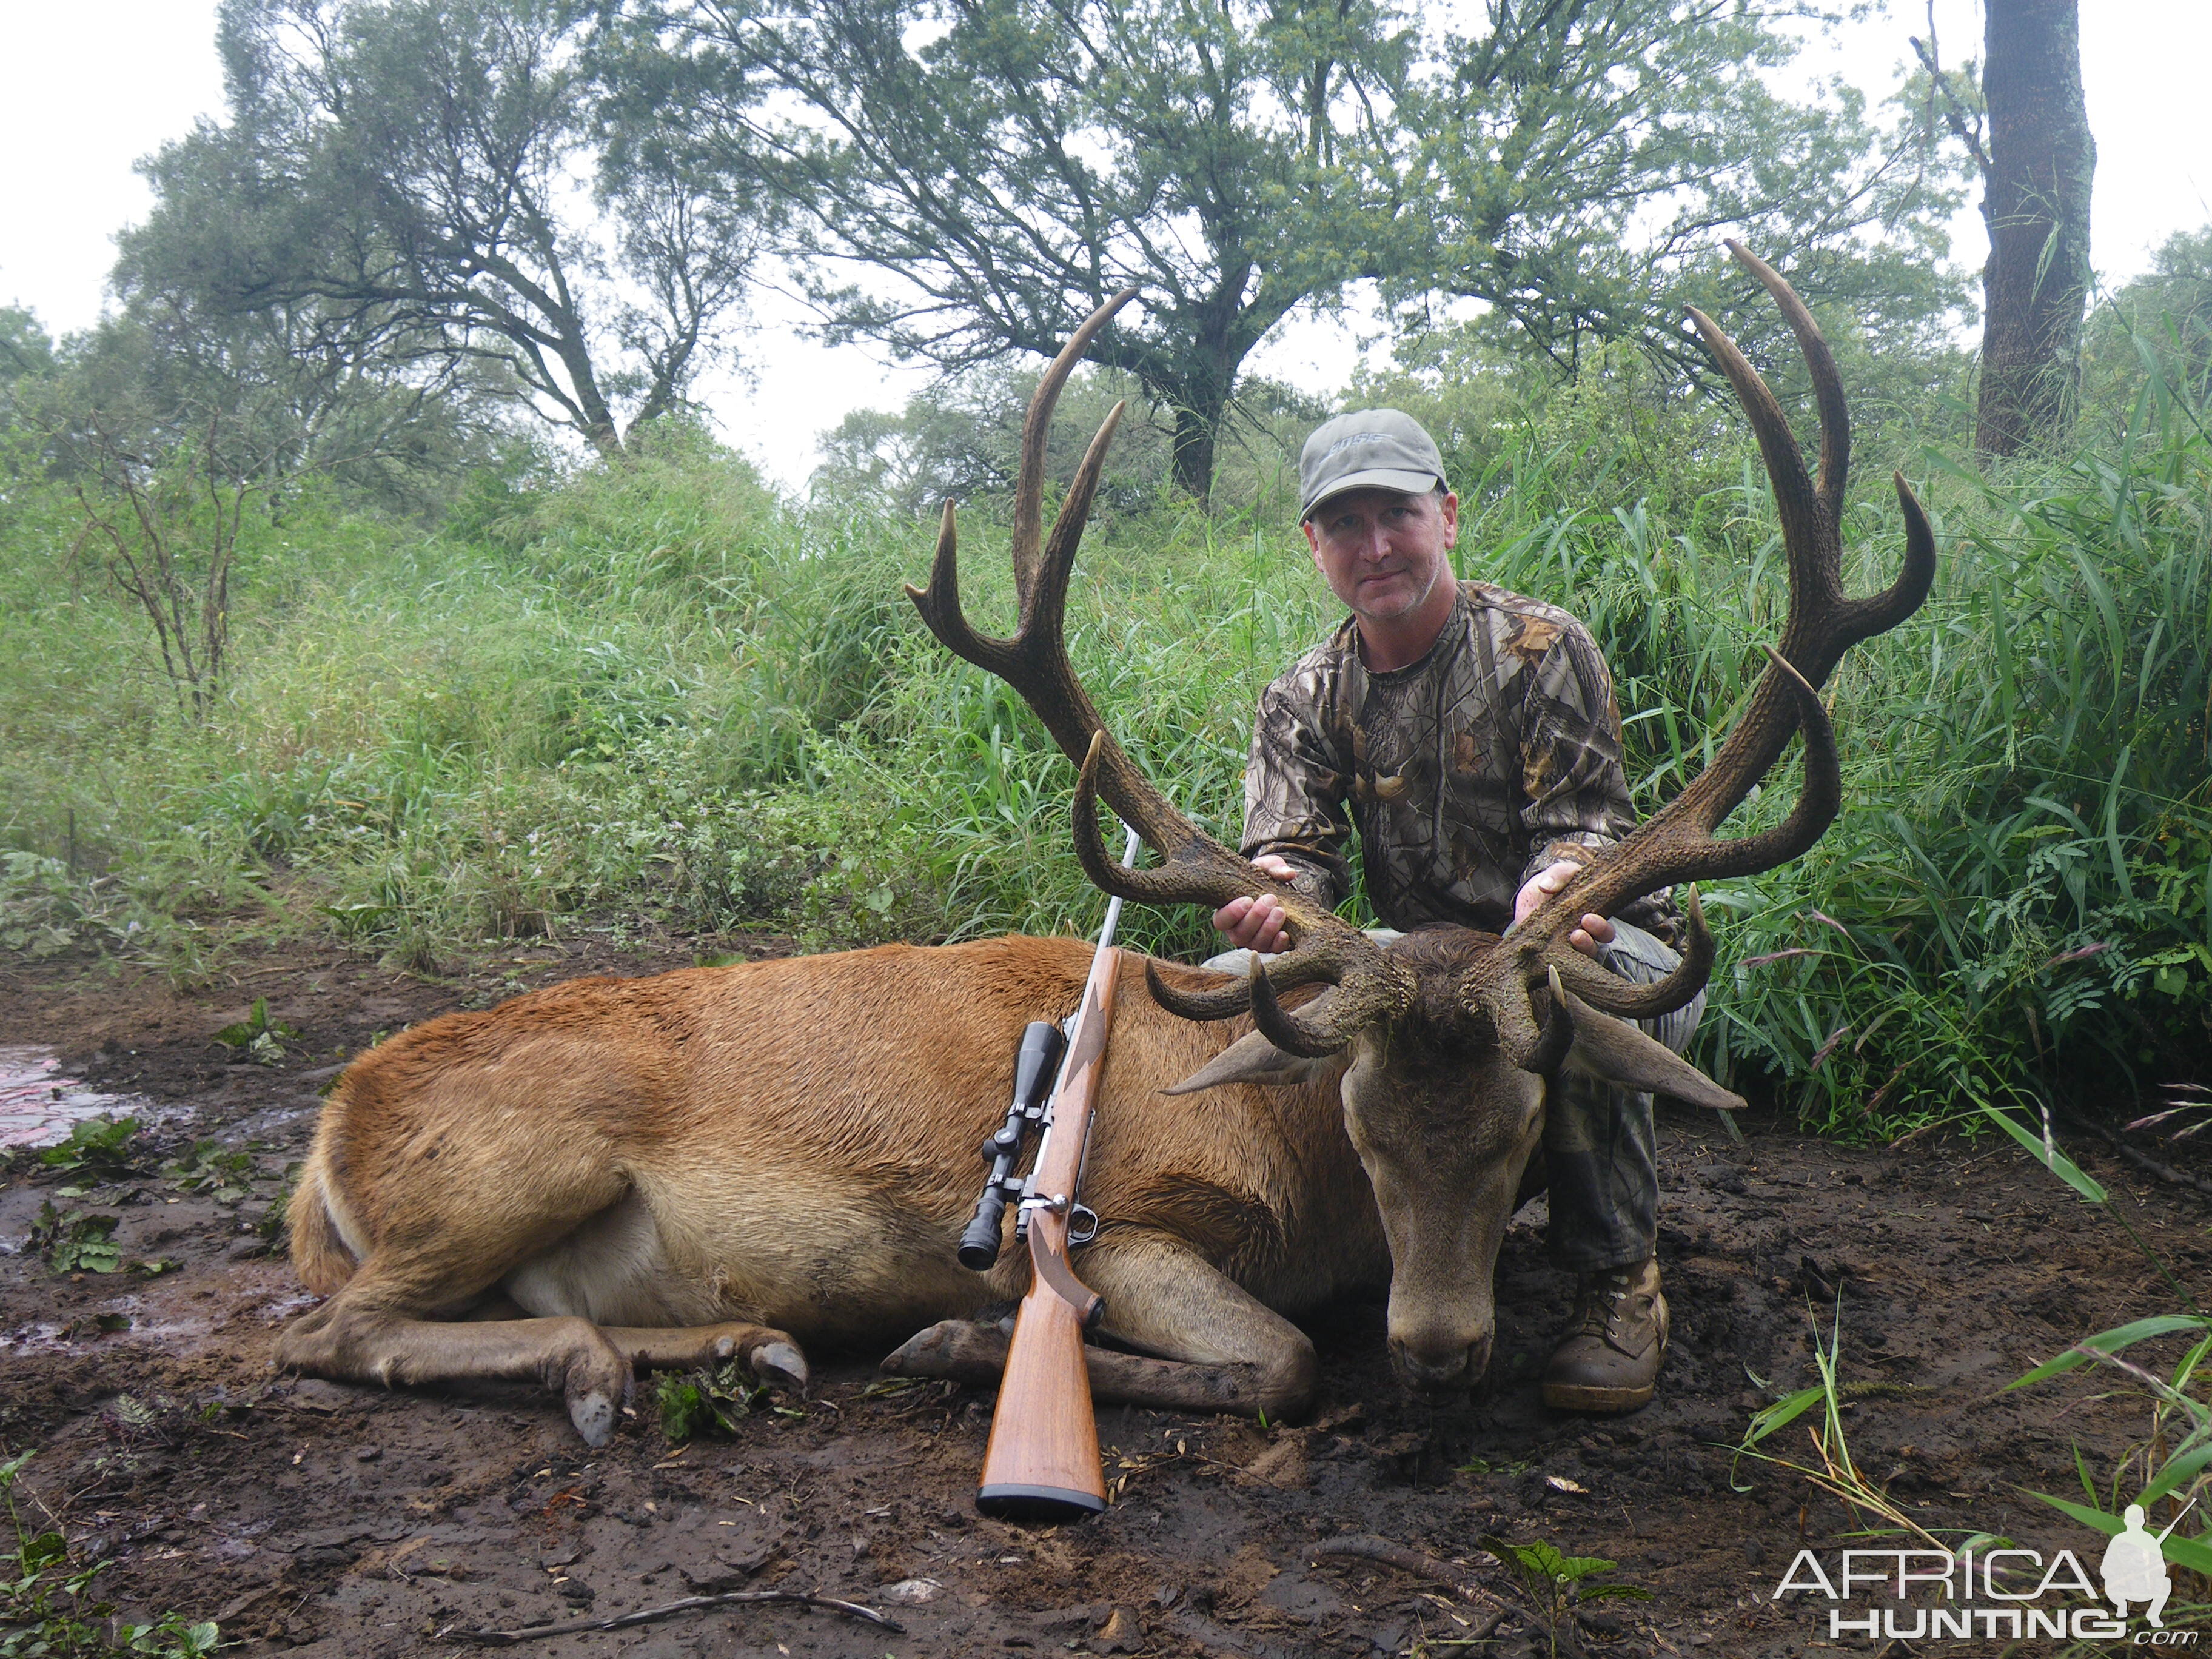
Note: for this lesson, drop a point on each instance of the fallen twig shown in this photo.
(1368, 1548)
(502, 1638)
(2143, 1160)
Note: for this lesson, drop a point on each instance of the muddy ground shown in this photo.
(342, 1521)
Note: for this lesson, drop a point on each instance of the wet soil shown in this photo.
(355, 1521)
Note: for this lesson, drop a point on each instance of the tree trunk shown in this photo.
(1195, 431)
(2036, 200)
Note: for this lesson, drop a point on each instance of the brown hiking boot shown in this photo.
(1611, 1357)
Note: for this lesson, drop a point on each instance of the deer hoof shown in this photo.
(781, 1365)
(593, 1413)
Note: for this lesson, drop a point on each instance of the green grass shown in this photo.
(653, 691)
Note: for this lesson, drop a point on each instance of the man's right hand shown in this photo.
(1256, 924)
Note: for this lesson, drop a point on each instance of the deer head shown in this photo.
(1441, 1039)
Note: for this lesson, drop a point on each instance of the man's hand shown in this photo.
(1593, 932)
(1256, 924)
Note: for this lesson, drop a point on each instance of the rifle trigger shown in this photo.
(1082, 1224)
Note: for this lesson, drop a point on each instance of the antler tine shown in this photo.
(1808, 529)
(1294, 1034)
(1678, 843)
(1034, 662)
(940, 604)
(1827, 387)
(1609, 994)
(1197, 869)
(1037, 428)
(1528, 1045)
(1877, 613)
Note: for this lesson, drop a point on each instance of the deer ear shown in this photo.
(1615, 1051)
(1253, 1059)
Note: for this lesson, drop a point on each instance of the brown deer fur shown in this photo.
(785, 1152)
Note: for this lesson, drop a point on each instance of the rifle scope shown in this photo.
(1037, 1064)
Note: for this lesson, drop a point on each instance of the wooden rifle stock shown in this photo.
(1043, 1460)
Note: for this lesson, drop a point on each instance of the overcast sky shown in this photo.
(94, 88)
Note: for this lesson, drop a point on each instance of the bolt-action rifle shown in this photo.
(1042, 1460)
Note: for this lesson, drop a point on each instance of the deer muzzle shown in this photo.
(1443, 1360)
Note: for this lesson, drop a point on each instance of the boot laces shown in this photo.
(1605, 1296)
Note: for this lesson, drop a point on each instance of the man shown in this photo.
(1472, 737)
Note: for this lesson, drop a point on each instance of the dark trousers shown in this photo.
(1599, 1144)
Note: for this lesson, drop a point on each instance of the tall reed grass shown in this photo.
(654, 691)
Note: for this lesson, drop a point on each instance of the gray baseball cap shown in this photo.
(1373, 449)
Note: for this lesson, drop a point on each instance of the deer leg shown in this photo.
(1209, 1345)
(353, 1338)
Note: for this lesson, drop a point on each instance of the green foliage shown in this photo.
(45, 910)
(49, 1611)
(1556, 1582)
(73, 1241)
(257, 1037)
(97, 1147)
(2156, 328)
(708, 1402)
(26, 348)
(1024, 161)
(648, 694)
(1001, 169)
(225, 1177)
(394, 200)
(1571, 167)
(2173, 1460)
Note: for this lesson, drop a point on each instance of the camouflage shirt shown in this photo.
(1466, 773)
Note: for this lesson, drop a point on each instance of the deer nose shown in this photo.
(1440, 1363)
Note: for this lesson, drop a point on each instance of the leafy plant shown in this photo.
(207, 1168)
(705, 1402)
(1837, 1471)
(73, 1241)
(2173, 1462)
(271, 1227)
(44, 909)
(1556, 1583)
(257, 1037)
(97, 1147)
(49, 1611)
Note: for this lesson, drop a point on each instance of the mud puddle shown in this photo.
(39, 1104)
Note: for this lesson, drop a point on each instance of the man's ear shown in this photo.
(1449, 507)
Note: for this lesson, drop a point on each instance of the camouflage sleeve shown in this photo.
(1571, 772)
(1295, 789)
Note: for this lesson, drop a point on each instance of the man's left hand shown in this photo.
(1594, 931)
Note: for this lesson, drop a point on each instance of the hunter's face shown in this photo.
(1384, 552)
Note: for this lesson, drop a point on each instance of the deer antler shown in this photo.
(1195, 868)
(1677, 844)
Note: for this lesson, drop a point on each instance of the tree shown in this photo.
(2161, 323)
(27, 350)
(2041, 161)
(2037, 168)
(961, 439)
(433, 182)
(991, 169)
(1580, 163)
(997, 182)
